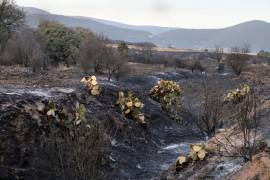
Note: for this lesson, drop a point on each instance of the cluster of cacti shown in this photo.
(92, 85)
(60, 115)
(166, 92)
(238, 95)
(197, 152)
(131, 106)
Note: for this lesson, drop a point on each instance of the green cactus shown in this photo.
(92, 85)
(168, 93)
(131, 106)
(51, 109)
(198, 152)
(80, 113)
(238, 95)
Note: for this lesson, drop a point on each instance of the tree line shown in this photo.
(52, 44)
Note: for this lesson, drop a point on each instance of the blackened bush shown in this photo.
(195, 65)
(74, 151)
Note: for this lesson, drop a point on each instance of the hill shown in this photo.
(256, 33)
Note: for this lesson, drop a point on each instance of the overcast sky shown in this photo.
(176, 13)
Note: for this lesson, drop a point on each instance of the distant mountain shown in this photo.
(112, 32)
(32, 10)
(152, 29)
(256, 33)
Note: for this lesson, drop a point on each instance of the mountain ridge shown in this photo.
(255, 32)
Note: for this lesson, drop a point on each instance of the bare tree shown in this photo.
(113, 62)
(242, 141)
(238, 58)
(210, 112)
(91, 54)
(23, 49)
(218, 55)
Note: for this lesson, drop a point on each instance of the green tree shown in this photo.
(123, 49)
(61, 43)
(263, 54)
(11, 18)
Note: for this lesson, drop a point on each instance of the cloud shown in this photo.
(160, 6)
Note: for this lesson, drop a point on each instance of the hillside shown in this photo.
(256, 33)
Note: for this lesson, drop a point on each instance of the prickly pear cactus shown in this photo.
(80, 113)
(238, 95)
(168, 93)
(51, 109)
(198, 152)
(92, 85)
(131, 106)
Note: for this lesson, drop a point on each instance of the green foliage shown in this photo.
(263, 54)
(168, 93)
(11, 18)
(61, 43)
(123, 49)
(131, 106)
(238, 95)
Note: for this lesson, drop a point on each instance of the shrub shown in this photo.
(168, 93)
(131, 106)
(195, 65)
(242, 141)
(92, 85)
(238, 58)
(123, 49)
(263, 54)
(210, 111)
(73, 148)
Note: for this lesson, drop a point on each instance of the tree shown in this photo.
(238, 57)
(210, 111)
(113, 63)
(23, 49)
(61, 43)
(11, 18)
(243, 141)
(123, 49)
(218, 55)
(147, 52)
(91, 54)
(96, 55)
(195, 65)
(263, 54)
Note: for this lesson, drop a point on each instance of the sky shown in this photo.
(170, 13)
